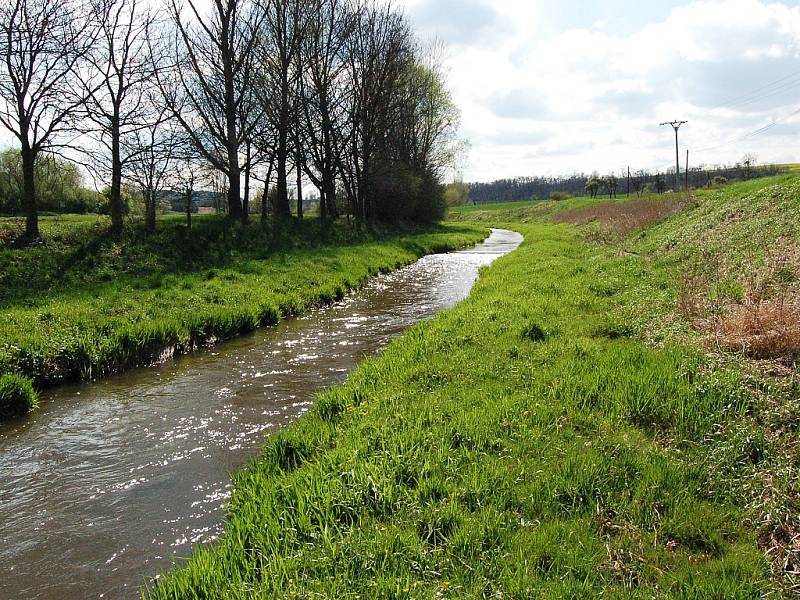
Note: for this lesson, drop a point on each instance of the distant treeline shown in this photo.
(541, 188)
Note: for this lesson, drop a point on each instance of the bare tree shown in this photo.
(41, 45)
(209, 90)
(378, 50)
(285, 25)
(153, 150)
(121, 69)
(324, 96)
(748, 163)
(187, 178)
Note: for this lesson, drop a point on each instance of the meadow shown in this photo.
(86, 304)
(568, 431)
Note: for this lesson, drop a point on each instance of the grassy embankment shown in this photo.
(86, 304)
(565, 432)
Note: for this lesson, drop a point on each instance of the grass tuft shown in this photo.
(17, 395)
(534, 333)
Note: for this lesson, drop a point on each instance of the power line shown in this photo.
(771, 94)
(753, 94)
(761, 130)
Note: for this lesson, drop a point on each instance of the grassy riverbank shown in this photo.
(86, 304)
(567, 431)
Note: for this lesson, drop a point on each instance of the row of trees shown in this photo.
(641, 181)
(336, 93)
(607, 184)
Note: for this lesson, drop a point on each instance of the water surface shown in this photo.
(111, 481)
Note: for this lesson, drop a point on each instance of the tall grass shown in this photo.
(612, 220)
(17, 396)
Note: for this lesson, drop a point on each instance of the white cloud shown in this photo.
(591, 98)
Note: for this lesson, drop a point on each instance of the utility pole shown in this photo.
(676, 125)
(629, 182)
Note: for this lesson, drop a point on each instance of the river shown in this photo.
(113, 481)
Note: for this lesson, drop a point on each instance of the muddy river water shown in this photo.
(113, 481)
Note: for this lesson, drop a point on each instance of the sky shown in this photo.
(550, 87)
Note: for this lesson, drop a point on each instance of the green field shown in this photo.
(527, 208)
(85, 304)
(569, 431)
(530, 210)
(470, 208)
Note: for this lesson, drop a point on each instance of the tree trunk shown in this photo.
(232, 148)
(188, 208)
(115, 197)
(246, 199)
(264, 199)
(326, 157)
(299, 189)
(29, 206)
(329, 194)
(265, 196)
(150, 216)
(234, 187)
(281, 208)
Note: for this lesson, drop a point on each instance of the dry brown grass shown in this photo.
(765, 330)
(763, 324)
(622, 217)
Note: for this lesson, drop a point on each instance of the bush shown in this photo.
(456, 194)
(560, 196)
(401, 193)
(719, 180)
(534, 333)
(17, 396)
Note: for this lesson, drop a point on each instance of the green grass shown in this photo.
(531, 442)
(740, 221)
(471, 212)
(17, 396)
(86, 304)
(470, 208)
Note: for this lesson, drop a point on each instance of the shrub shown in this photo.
(534, 333)
(560, 196)
(719, 180)
(17, 396)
